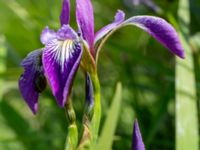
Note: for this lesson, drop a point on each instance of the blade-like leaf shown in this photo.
(107, 135)
(186, 103)
(186, 100)
(2, 62)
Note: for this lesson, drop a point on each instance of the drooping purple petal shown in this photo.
(65, 12)
(160, 30)
(137, 142)
(61, 60)
(32, 81)
(85, 20)
(156, 27)
(89, 92)
(119, 18)
(47, 35)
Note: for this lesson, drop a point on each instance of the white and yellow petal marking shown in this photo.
(61, 50)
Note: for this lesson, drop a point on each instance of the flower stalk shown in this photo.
(95, 122)
(72, 137)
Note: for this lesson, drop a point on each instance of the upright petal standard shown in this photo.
(65, 13)
(85, 21)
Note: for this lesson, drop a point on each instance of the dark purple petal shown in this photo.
(65, 12)
(32, 81)
(61, 60)
(47, 35)
(89, 92)
(119, 18)
(137, 142)
(160, 30)
(85, 20)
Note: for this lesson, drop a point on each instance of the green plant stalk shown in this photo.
(72, 137)
(86, 138)
(95, 122)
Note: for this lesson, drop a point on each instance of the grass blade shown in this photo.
(2, 62)
(186, 101)
(107, 135)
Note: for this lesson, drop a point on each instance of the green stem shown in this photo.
(72, 137)
(95, 122)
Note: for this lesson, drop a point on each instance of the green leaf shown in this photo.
(3, 54)
(186, 101)
(107, 135)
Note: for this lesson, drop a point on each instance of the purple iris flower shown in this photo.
(59, 60)
(137, 142)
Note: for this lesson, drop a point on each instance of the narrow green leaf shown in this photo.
(107, 135)
(2, 62)
(186, 103)
(187, 137)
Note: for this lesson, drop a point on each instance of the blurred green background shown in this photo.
(144, 67)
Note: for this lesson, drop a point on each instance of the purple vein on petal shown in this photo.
(161, 30)
(119, 18)
(65, 12)
(137, 142)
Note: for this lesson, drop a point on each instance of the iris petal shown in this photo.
(27, 82)
(119, 18)
(137, 142)
(85, 20)
(160, 30)
(156, 27)
(47, 35)
(65, 12)
(61, 60)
